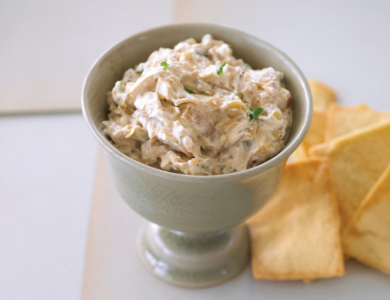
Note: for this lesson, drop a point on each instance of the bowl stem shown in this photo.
(194, 260)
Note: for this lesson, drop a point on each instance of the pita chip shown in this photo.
(314, 136)
(342, 119)
(367, 237)
(323, 95)
(356, 160)
(297, 234)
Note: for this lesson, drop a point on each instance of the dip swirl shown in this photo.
(196, 109)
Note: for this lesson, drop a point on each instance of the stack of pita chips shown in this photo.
(334, 199)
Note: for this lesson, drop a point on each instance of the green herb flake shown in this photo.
(257, 112)
(205, 148)
(122, 86)
(144, 138)
(201, 52)
(139, 72)
(164, 64)
(247, 66)
(189, 91)
(206, 163)
(220, 69)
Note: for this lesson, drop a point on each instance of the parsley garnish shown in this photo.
(122, 86)
(206, 163)
(220, 69)
(144, 138)
(139, 71)
(189, 91)
(201, 52)
(164, 64)
(256, 113)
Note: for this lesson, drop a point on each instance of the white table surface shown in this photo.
(47, 47)
(47, 166)
(344, 43)
(47, 162)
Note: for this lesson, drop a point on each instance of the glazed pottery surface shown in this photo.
(196, 209)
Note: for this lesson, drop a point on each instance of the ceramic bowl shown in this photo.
(195, 238)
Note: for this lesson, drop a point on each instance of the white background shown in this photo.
(47, 162)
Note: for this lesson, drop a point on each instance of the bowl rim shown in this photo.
(108, 147)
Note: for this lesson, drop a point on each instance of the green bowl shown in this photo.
(196, 218)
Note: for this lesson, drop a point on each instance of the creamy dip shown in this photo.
(196, 109)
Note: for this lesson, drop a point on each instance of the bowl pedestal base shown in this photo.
(194, 260)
